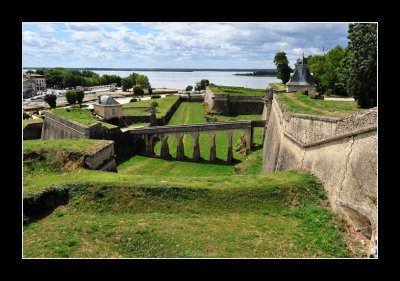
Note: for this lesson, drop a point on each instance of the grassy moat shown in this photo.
(158, 208)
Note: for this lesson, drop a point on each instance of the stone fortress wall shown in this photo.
(341, 152)
(232, 105)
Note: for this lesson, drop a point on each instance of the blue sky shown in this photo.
(175, 44)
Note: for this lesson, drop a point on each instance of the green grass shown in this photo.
(164, 105)
(299, 103)
(227, 217)
(77, 145)
(31, 121)
(278, 86)
(80, 115)
(236, 91)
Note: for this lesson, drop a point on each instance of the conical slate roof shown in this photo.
(301, 76)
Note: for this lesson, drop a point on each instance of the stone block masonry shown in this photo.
(341, 152)
(232, 105)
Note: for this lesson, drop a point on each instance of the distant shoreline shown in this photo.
(154, 69)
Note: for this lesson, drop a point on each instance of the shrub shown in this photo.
(138, 90)
(51, 100)
(154, 104)
(79, 96)
(26, 115)
(155, 96)
(133, 100)
(150, 91)
(70, 96)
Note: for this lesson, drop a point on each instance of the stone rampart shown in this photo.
(341, 152)
(57, 127)
(231, 105)
(103, 159)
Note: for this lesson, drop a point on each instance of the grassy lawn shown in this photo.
(123, 216)
(299, 103)
(164, 105)
(31, 121)
(236, 91)
(74, 145)
(80, 115)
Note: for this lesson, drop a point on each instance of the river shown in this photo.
(180, 80)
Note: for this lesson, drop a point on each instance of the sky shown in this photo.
(175, 44)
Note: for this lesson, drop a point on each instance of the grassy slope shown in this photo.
(164, 105)
(238, 91)
(250, 216)
(303, 104)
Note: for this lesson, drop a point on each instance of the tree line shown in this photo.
(61, 78)
(349, 71)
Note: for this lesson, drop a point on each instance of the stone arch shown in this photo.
(361, 222)
(155, 145)
(113, 121)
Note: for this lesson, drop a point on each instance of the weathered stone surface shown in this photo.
(341, 152)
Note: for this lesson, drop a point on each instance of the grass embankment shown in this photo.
(278, 86)
(46, 160)
(299, 103)
(82, 116)
(236, 91)
(192, 113)
(108, 215)
(164, 105)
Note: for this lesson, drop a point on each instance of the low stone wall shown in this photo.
(129, 119)
(231, 105)
(162, 121)
(32, 131)
(103, 159)
(57, 127)
(341, 152)
(192, 98)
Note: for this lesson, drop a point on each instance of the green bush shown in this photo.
(26, 115)
(70, 96)
(138, 90)
(79, 96)
(154, 104)
(155, 96)
(51, 100)
(133, 100)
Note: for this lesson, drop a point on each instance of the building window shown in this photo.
(113, 111)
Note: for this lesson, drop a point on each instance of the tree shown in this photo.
(138, 90)
(142, 80)
(202, 85)
(70, 96)
(189, 88)
(80, 94)
(283, 69)
(73, 78)
(51, 100)
(127, 83)
(361, 64)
